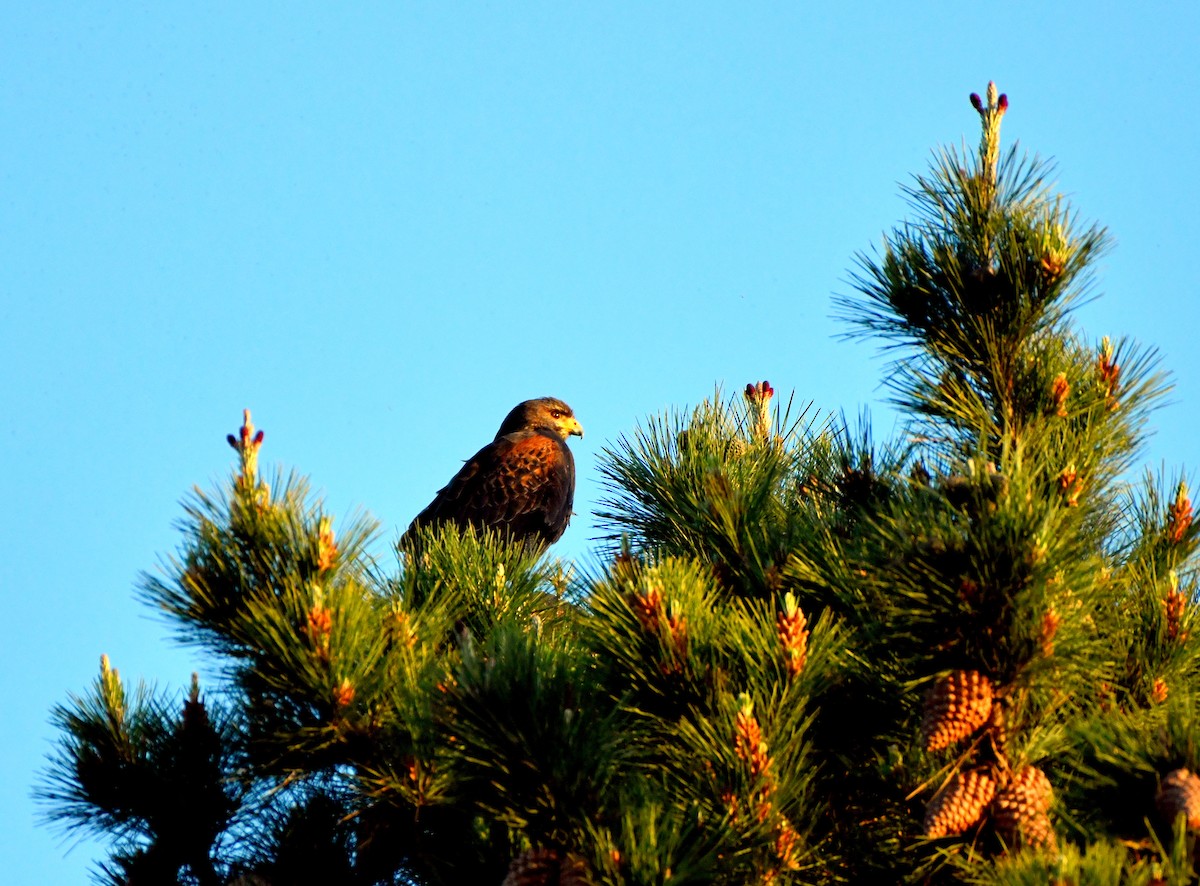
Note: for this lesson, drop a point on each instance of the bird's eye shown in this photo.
(556, 413)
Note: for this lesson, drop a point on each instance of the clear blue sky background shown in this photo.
(380, 226)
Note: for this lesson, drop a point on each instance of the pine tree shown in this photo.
(967, 655)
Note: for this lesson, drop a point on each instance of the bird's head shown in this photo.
(545, 412)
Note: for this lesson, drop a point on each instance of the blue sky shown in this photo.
(379, 226)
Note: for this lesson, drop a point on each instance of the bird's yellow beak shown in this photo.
(573, 427)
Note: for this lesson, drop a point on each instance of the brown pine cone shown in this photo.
(574, 872)
(960, 804)
(534, 867)
(1036, 832)
(955, 706)
(1179, 794)
(547, 867)
(1020, 809)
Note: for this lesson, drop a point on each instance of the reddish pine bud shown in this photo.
(319, 628)
(1175, 605)
(1108, 370)
(326, 544)
(791, 626)
(1050, 623)
(258, 438)
(785, 845)
(759, 397)
(232, 441)
(1159, 691)
(194, 714)
(1002, 104)
(760, 391)
(976, 102)
(1070, 485)
(1179, 515)
(748, 740)
(648, 607)
(1060, 389)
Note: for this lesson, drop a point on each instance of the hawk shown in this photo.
(522, 484)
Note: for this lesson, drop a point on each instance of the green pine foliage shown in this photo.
(796, 648)
(160, 779)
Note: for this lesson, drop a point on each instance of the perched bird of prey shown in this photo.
(522, 484)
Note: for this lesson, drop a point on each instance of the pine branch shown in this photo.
(161, 786)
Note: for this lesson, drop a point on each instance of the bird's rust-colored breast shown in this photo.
(532, 458)
(532, 473)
